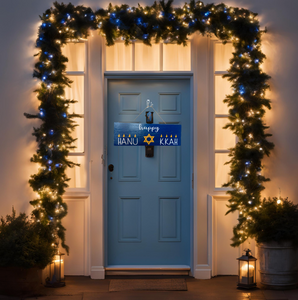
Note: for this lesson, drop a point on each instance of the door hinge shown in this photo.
(103, 156)
(192, 180)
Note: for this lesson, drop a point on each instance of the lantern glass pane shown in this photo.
(247, 272)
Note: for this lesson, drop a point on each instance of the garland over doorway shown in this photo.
(150, 24)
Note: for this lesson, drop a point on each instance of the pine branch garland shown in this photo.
(151, 24)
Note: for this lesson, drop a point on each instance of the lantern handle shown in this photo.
(247, 252)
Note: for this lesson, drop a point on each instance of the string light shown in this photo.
(116, 27)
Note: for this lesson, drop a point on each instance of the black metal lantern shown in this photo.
(247, 271)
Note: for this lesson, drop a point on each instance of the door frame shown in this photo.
(150, 76)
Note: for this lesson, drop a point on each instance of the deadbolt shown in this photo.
(111, 168)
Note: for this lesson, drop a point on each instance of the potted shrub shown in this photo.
(275, 229)
(25, 249)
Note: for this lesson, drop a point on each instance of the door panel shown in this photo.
(129, 219)
(169, 163)
(169, 220)
(129, 163)
(149, 198)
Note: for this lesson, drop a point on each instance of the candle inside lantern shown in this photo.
(58, 264)
(247, 273)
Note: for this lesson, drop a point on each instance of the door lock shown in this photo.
(111, 168)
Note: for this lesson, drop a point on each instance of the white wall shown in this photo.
(18, 27)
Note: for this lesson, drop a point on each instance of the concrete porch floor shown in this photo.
(217, 288)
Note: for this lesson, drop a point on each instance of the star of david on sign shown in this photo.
(147, 137)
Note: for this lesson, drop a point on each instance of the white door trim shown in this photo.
(141, 76)
(201, 96)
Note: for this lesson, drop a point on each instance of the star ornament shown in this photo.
(150, 139)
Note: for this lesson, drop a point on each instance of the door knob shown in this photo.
(111, 168)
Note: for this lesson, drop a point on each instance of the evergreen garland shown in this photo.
(160, 22)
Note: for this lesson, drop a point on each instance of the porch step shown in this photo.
(147, 270)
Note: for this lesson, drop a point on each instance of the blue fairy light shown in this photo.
(64, 115)
(240, 55)
(51, 132)
(50, 55)
(156, 27)
(241, 89)
(41, 112)
(229, 18)
(44, 78)
(41, 65)
(50, 162)
(145, 25)
(117, 21)
(40, 38)
(62, 21)
(44, 24)
(58, 165)
(145, 36)
(256, 61)
(249, 47)
(139, 21)
(207, 13)
(113, 15)
(50, 168)
(247, 163)
(68, 16)
(45, 53)
(171, 17)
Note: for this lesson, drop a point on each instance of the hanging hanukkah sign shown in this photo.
(136, 134)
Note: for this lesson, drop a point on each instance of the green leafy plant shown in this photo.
(276, 220)
(24, 243)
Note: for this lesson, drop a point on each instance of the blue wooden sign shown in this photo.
(135, 134)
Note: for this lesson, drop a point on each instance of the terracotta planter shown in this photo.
(278, 265)
(15, 281)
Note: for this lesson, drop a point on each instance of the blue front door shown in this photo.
(149, 197)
